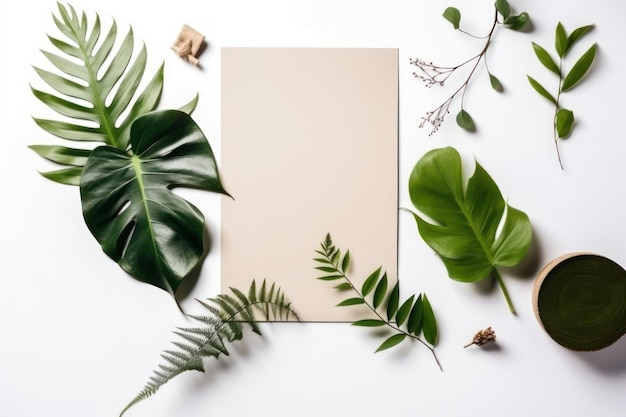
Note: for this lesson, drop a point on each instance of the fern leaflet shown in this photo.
(227, 314)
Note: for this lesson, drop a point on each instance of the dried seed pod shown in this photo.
(483, 337)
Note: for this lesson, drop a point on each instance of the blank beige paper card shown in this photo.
(309, 146)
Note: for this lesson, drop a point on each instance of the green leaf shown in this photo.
(326, 269)
(345, 263)
(416, 317)
(62, 154)
(344, 286)
(466, 220)
(67, 176)
(393, 301)
(564, 122)
(252, 291)
(154, 235)
(579, 69)
(465, 121)
(495, 83)
(575, 37)
(541, 90)
(369, 323)
(404, 310)
(503, 7)
(546, 59)
(517, 22)
(330, 277)
(560, 40)
(190, 107)
(391, 342)
(335, 255)
(381, 291)
(430, 323)
(452, 15)
(370, 282)
(351, 302)
(105, 83)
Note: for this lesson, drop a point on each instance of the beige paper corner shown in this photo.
(308, 147)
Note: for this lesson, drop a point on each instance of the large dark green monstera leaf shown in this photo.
(128, 203)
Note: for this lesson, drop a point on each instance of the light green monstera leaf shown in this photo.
(472, 228)
(154, 234)
(95, 86)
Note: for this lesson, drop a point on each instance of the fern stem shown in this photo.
(496, 273)
(228, 312)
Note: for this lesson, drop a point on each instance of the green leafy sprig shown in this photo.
(432, 74)
(406, 320)
(563, 121)
(227, 314)
(472, 229)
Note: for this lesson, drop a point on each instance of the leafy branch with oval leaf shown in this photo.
(140, 153)
(563, 121)
(406, 321)
(472, 229)
(432, 74)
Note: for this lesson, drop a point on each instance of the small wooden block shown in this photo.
(188, 44)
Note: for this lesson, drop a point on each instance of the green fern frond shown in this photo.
(95, 87)
(225, 323)
(407, 321)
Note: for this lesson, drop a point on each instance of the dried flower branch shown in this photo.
(432, 74)
(483, 337)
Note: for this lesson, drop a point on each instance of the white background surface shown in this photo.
(80, 338)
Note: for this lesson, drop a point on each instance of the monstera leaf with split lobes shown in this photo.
(154, 234)
(471, 228)
(125, 185)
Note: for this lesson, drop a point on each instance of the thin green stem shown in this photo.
(481, 55)
(339, 271)
(478, 57)
(496, 274)
(556, 111)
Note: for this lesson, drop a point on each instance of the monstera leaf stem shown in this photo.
(507, 297)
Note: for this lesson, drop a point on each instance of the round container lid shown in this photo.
(580, 300)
